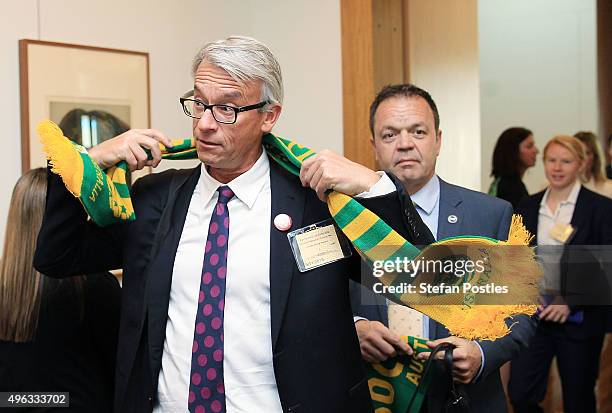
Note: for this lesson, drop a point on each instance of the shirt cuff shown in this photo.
(384, 186)
(482, 363)
(357, 318)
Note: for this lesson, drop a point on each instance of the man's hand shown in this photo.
(129, 147)
(378, 343)
(557, 311)
(466, 357)
(328, 170)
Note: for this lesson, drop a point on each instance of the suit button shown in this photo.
(407, 212)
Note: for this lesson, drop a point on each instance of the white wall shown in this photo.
(538, 70)
(305, 36)
(443, 46)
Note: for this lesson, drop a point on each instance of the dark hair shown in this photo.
(506, 160)
(107, 124)
(403, 90)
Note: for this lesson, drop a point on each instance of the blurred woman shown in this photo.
(593, 173)
(571, 217)
(55, 335)
(515, 152)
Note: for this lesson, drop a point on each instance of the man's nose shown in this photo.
(405, 141)
(207, 121)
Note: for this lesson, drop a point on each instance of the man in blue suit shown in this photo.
(406, 137)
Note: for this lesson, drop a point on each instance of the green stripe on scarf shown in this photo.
(347, 214)
(393, 383)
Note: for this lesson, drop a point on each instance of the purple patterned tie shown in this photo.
(206, 388)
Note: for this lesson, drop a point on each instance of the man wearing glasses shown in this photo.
(215, 315)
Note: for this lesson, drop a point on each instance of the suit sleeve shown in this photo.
(504, 223)
(499, 351)
(68, 244)
(102, 308)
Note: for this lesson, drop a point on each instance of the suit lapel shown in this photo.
(580, 216)
(287, 198)
(160, 267)
(531, 216)
(451, 204)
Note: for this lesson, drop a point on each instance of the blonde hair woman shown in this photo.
(593, 173)
(55, 335)
(565, 214)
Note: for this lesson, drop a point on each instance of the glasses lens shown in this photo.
(191, 108)
(225, 114)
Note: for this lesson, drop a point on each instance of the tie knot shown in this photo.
(225, 194)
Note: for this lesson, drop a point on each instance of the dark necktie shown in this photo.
(206, 388)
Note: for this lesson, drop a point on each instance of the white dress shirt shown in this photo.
(551, 257)
(250, 384)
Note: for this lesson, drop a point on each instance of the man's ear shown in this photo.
(438, 141)
(373, 143)
(272, 114)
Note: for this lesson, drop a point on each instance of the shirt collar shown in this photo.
(572, 198)
(427, 197)
(246, 187)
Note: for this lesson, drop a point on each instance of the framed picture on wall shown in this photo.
(92, 93)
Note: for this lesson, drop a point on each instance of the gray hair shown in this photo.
(245, 59)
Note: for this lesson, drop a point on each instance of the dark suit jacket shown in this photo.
(477, 214)
(581, 272)
(316, 355)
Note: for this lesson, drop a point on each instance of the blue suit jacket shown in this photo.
(477, 214)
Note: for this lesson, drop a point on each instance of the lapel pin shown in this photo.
(452, 219)
(282, 222)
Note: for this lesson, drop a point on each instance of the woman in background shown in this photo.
(55, 335)
(574, 219)
(515, 152)
(593, 173)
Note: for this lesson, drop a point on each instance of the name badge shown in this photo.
(562, 232)
(318, 244)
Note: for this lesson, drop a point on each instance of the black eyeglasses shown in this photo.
(195, 108)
